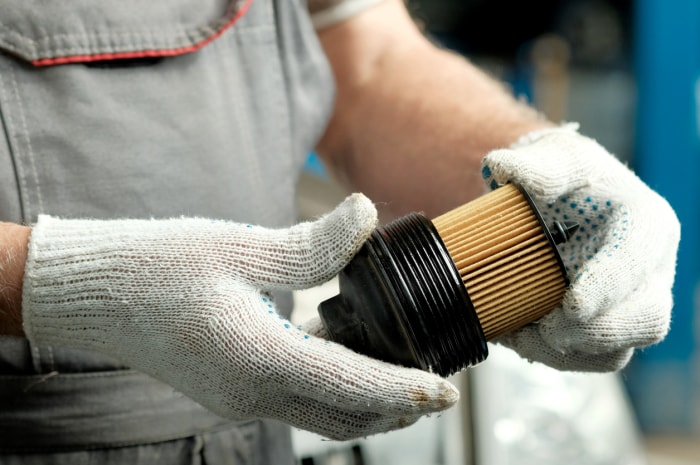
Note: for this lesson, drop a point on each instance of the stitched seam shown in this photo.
(12, 138)
(177, 31)
(87, 49)
(6, 126)
(284, 110)
(152, 37)
(30, 150)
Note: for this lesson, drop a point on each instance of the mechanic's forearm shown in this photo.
(13, 254)
(430, 114)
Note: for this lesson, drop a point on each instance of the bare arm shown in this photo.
(412, 121)
(13, 254)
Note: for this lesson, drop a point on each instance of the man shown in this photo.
(145, 149)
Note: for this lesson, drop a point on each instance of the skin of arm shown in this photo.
(13, 253)
(412, 121)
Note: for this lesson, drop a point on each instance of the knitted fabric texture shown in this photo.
(621, 261)
(186, 301)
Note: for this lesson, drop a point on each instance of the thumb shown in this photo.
(310, 253)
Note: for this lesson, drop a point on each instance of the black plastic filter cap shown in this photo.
(402, 300)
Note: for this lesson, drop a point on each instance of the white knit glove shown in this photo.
(621, 261)
(185, 301)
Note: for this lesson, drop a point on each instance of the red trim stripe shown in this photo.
(144, 53)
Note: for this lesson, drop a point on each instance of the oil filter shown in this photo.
(430, 294)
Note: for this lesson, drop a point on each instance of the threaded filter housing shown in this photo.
(429, 294)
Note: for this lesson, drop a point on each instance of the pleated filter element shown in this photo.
(506, 259)
(431, 293)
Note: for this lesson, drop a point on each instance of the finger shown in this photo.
(309, 253)
(335, 375)
(358, 382)
(315, 328)
(642, 319)
(528, 343)
(337, 423)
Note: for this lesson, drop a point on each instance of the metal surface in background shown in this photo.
(530, 414)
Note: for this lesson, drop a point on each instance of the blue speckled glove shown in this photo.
(621, 261)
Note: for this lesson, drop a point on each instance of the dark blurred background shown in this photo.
(598, 31)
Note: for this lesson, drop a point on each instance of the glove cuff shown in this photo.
(66, 268)
(80, 273)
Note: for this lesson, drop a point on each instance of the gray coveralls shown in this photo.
(208, 112)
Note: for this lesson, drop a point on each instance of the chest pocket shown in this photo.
(79, 31)
(157, 109)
